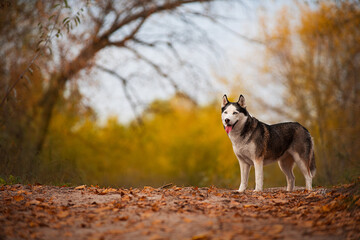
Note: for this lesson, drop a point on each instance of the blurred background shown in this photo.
(127, 93)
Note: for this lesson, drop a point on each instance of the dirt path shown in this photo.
(46, 212)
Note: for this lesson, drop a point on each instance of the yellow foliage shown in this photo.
(317, 58)
(178, 142)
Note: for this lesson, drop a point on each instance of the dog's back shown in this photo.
(291, 137)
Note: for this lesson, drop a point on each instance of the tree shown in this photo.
(28, 110)
(318, 62)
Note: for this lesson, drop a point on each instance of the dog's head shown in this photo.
(233, 112)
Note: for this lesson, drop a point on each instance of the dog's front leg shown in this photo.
(259, 174)
(244, 169)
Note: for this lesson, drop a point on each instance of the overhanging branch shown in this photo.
(130, 36)
(156, 67)
(127, 94)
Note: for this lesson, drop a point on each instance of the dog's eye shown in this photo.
(225, 112)
(234, 113)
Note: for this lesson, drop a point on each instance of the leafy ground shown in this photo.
(47, 212)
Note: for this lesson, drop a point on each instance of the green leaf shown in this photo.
(66, 4)
(65, 19)
(56, 5)
(51, 17)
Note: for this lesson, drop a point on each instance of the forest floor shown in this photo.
(48, 212)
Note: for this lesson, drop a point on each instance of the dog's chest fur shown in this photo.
(243, 147)
(244, 151)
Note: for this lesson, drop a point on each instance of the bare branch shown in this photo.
(156, 67)
(155, 44)
(215, 19)
(148, 10)
(127, 94)
(130, 36)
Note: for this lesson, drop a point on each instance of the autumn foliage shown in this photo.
(316, 60)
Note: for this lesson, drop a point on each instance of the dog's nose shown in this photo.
(227, 120)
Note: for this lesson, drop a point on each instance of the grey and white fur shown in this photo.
(257, 144)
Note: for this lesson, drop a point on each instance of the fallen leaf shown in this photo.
(275, 229)
(280, 201)
(148, 188)
(311, 195)
(115, 231)
(156, 222)
(80, 187)
(308, 223)
(125, 198)
(34, 202)
(200, 237)
(249, 205)
(123, 218)
(33, 224)
(325, 208)
(63, 214)
(18, 198)
(109, 190)
(142, 198)
(102, 209)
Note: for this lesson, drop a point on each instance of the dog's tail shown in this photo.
(312, 165)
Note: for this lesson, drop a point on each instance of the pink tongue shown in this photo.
(228, 129)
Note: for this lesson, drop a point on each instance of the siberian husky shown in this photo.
(256, 144)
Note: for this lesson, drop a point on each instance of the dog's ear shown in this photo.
(241, 101)
(224, 100)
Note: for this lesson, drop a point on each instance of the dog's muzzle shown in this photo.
(229, 127)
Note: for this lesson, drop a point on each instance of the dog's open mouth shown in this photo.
(228, 128)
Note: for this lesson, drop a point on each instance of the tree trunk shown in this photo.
(48, 102)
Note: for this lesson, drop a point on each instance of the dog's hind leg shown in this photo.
(302, 164)
(286, 165)
(245, 169)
